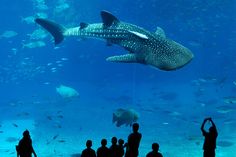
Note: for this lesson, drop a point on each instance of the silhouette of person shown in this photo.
(121, 151)
(88, 152)
(154, 152)
(25, 148)
(103, 151)
(210, 138)
(114, 147)
(133, 142)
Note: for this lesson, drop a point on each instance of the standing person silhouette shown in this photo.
(154, 152)
(103, 151)
(114, 147)
(121, 151)
(88, 152)
(209, 145)
(25, 148)
(133, 142)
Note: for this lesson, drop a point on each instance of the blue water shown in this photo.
(171, 105)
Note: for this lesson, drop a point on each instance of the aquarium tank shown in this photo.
(78, 70)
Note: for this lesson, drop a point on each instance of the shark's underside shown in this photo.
(143, 46)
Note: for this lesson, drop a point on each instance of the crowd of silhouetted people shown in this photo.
(119, 148)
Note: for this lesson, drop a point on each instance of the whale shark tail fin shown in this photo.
(53, 28)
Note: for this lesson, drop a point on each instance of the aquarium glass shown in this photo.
(174, 66)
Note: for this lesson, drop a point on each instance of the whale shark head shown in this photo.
(171, 57)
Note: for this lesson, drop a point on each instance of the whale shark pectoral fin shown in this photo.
(108, 19)
(161, 32)
(127, 58)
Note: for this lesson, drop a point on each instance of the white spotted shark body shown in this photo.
(143, 46)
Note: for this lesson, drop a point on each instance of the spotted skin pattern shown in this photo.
(143, 46)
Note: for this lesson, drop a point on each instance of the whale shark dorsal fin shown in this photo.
(161, 32)
(83, 25)
(108, 19)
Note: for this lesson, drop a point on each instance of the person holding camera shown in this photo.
(209, 145)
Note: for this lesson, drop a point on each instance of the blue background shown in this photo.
(171, 104)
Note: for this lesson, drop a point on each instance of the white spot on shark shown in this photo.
(143, 36)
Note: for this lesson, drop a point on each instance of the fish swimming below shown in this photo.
(230, 100)
(67, 92)
(144, 47)
(125, 117)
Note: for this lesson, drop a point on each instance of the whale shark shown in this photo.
(144, 47)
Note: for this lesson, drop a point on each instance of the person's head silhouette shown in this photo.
(104, 142)
(155, 147)
(212, 130)
(114, 140)
(135, 127)
(89, 143)
(121, 142)
(26, 134)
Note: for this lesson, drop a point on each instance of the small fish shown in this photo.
(8, 34)
(234, 83)
(58, 62)
(58, 126)
(64, 59)
(229, 121)
(37, 34)
(48, 142)
(14, 50)
(56, 47)
(42, 6)
(49, 117)
(28, 19)
(230, 100)
(42, 15)
(15, 125)
(23, 114)
(55, 137)
(34, 44)
(61, 7)
(59, 111)
(61, 141)
(60, 116)
(11, 139)
(225, 143)
(224, 109)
